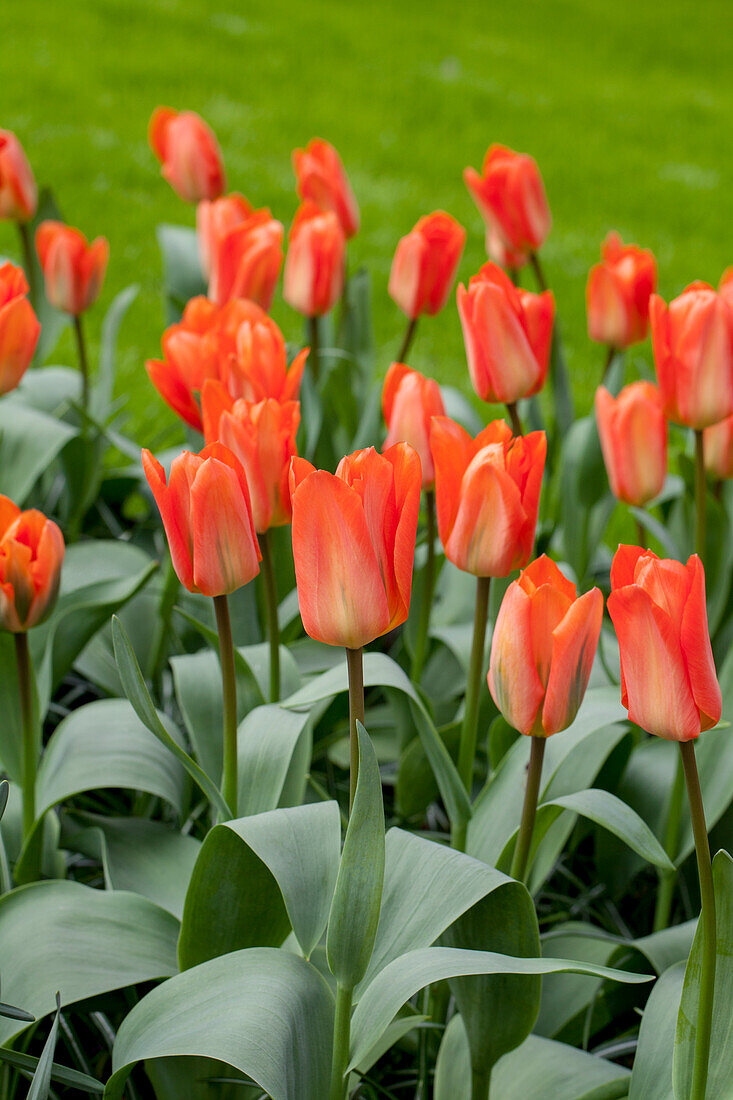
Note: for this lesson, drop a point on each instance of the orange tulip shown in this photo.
(692, 339)
(31, 556)
(542, 649)
(633, 434)
(502, 253)
(668, 680)
(487, 493)
(18, 191)
(189, 358)
(19, 327)
(424, 264)
(511, 198)
(321, 179)
(207, 515)
(508, 333)
(618, 293)
(354, 543)
(409, 401)
(725, 286)
(74, 270)
(245, 259)
(253, 357)
(262, 436)
(189, 153)
(314, 267)
(718, 448)
(214, 219)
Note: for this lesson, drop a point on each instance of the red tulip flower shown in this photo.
(409, 402)
(618, 293)
(214, 219)
(244, 258)
(73, 269)
(502, 253)
(18, 191)
(425, 263)
(718, 449)
(511, 198)
(321, 180)
(633, 433)
(189, 154)
(253, 356)
(31, 556)
(19, 327)
(314, 266)
(189, 358)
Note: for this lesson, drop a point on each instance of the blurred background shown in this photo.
(627, 109)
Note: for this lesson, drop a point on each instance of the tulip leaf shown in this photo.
(651, 1078)
(29, 442)
(50, 390)
(269, 760)
(562, 396)
(182, 275)
(103, 384)
(41, 1082)
(70, 1077)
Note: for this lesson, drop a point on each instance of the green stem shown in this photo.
(467, 749)
(667, 879)
(480, 1084)
(700, 493)
(229, 696)
(610, 356)
(423, 625)
(83, 366)
(529, 809)
(641, 533)
(28, 261)
(314, 357)
(538, 271)
(25, 691)
(514, 417)
(407, 339)
(707, 919)
(355, 662)
(273, 629)
(341, 1039)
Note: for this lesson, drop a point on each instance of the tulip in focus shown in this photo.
(618, 293)
(252, 355)
(189, 154)
(244, 259)
(19, 327)
(718, 448)
(31, 556)
(425, 263)
(189, 358)
(511, 198)
(18, 191)
(321, 179)
(633, 433)
(409, 402)
(314, 267)
(73, 269)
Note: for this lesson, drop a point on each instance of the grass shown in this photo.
(624, 108)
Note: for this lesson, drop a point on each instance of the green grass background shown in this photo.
(627, 108)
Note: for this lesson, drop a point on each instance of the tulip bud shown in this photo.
(214, 219)
(668, 680)
(718, 449)
(542, 649)
(19, 327)
(692, 339)
(618, 293)
(409, 402)
(508, 333)
(246, 259)
(314, 267)
(487, 493)
(189, 153)
(206, 512)
(354, 543)
(18, 191)
(256, 367)
(189, 358)
(31, 555)
(424, 264)
(633, 433)
(511, 198)
(73, 269)
(321, 180)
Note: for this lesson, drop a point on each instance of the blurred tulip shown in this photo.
(18, 191)
(19, 327)
(487, 492)
(668, 680)
(256, 367)
(409, 401)
(207, 515)
(542, 649)
(189, 153)
(718, 448)
(425, 263)
(502, 253)
(692, 338)
(618, 293)
(246, 260)
(73, 269)
(354, 543)
(633, 434)
(507, 332)
(189, 358)
(321, 180)
(314, 266)
(214, 219)
(511, 198)
(31, 556)
(725, 286)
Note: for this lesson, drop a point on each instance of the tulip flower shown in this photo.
(497, 249)
(189, 358)
(244, 259)
(618, 293)
(253, 356)
(189, 154)
(74, 270)
(19, 327)
(718, 447)
(321, 179)
(314, 267)
(18, 191)
(214, 219)
(633, 434)
(510, 197)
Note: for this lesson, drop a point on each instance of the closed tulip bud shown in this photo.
(511, 198)
(354, 543)
(718, 449)
(692, 339)
(633, 433)
(502, 253)
(487, 493)
(618, 293)
(19, 327)
(542, 649)
(668, 680)
(508, 333)
(18, 191)
(262, 436)
(424, 264)
(257, 365)
(189, 358)
(246, 260)
(73, 269)
(409, 402)
(207, 516)
(314, 267)
(189, 154)
(321, 179)
(214, 219)
(31, 556)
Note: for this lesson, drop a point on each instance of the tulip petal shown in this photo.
(574, 645)
(225, 551)
(451, 448)
(407, 485)
(488, 523)
(623, 566)
(698, 654)
(513, 680)
(173, 505)
(174, 392)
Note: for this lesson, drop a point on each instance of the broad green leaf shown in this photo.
(41, 1082)
(182, 275)
(29, 442)
(71, 1077)
(266, 1012)
(50, 390)
(198, 1079)
(103, 382)
(267, 742)
(651, 1078)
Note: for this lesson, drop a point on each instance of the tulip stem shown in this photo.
(423, 626)
(229, 697)
(25, 691)
(517, 429)
(480, 1084)
(707, 919)
(407, 339)
(355, 662)
(641, 532)
(273, 630)
(538, 271)
(28, 261)
(83, 366)
(341, 1040)
(529, 809)
(665, 893)
(610, 356)
(700, 494)
(315, 352)
(467, 749)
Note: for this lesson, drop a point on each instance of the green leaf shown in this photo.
(61, 1074)
(651, 1078)
(562, 396)
(103, 383)
(182, 275)
(29, 442)
(266, 1012)
(50, 390)
(267, 742)
(41, 1082)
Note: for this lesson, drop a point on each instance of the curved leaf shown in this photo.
(651, 1078)
(29, 442)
